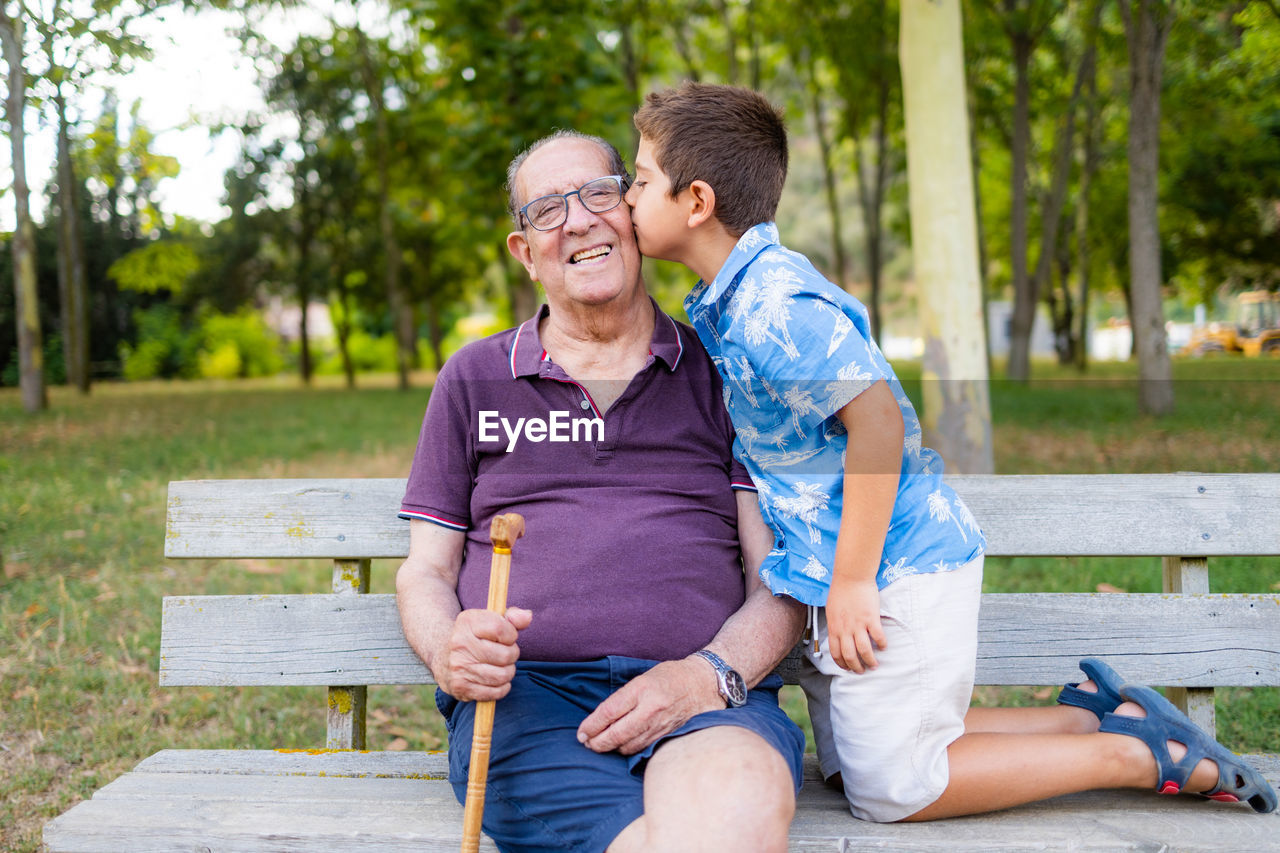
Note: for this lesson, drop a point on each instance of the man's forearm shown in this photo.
(428, 608)
(760, 634)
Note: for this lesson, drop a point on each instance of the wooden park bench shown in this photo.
(341, 797)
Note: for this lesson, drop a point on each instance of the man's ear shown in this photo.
(518, 246)
(702, 203)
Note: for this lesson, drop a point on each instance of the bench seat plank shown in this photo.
(1186, 515)
(330, 763)
(260, 809)
(1024, 638)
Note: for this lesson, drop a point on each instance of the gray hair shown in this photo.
(616, 164)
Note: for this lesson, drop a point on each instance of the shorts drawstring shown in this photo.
(811, 629)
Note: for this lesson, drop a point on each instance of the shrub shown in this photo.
(222, 363)
(241, 343)
(164, 347)
(368, 354)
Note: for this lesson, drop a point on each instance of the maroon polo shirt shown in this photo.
(631, 543)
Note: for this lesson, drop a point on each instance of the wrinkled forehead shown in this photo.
(560, 167)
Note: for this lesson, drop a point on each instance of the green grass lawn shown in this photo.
(81, 531)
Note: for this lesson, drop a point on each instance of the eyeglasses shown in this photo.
(599, 196)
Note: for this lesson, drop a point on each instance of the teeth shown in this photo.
(588, 254)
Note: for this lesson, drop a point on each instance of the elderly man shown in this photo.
(624, 662)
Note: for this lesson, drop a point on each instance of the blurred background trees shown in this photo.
(1126, 155)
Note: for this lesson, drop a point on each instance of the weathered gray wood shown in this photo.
(286, 518)
(345, 720)
(1052, 515)
(285, 639)
(1193, 515)
(295, 800)
(1187, 641)
(300, 762)
(1024, 638)
(262, 809)
(207, 787)
(1191, 575)
(169, 824)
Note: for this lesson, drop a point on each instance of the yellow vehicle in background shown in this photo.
(1255, 332)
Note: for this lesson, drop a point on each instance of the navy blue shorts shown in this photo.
(547, 791)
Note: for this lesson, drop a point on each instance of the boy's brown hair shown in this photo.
(728, 136)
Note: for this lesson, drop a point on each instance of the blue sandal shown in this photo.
(1106, 700)
(1237, 781)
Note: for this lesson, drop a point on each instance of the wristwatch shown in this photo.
(732, 688)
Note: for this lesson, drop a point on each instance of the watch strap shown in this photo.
(723, 673)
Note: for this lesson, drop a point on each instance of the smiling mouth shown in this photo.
(590, 254)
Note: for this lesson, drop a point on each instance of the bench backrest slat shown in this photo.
(1023, 639)
(1186, 515)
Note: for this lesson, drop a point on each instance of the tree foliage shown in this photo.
(403, 114)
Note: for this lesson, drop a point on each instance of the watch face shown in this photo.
(736, 687)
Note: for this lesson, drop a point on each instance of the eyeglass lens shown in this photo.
(598, 196)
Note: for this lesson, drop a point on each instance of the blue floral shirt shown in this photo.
(793, 349)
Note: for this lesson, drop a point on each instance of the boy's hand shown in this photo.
(853, 624)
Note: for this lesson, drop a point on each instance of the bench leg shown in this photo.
(347, 705)
(1191, 575)
(346, 722)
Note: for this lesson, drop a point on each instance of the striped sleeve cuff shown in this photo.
(416, 515)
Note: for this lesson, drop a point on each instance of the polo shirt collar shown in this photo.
(527, 352)
(754, 241)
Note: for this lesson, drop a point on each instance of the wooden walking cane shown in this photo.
(503, 533)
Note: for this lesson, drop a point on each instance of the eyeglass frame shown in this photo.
(623, 183)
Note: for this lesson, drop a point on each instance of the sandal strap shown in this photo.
(1173, 775)
(1105, 700)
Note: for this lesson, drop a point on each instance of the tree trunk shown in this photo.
(1024, 301)
(343, 328)
(975, 159)
(957, 409)
(1065, 334)
(75, 304)
(306, 238)
(753, 46)
(435, 336)
(1092, 131)
(522, 291)
(731, 41)
(342, 322)
(1052, 205)
(401, 311)
(873, 205)
(632, 61)
(829, 179)
(26, 302)
(1147, 24)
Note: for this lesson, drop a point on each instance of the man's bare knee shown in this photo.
(632, 839)
(721, 788)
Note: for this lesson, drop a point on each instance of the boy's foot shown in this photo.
(1164, 728)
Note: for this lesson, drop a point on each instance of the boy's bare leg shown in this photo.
(1061, 719)
(990, 770)
(723, 788)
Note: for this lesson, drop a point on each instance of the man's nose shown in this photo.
(578, 217)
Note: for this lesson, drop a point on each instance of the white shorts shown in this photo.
(887, 730)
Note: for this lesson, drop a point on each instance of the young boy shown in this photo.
(867, 532)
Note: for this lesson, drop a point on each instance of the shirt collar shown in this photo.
(750, 244)
(527, 352)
